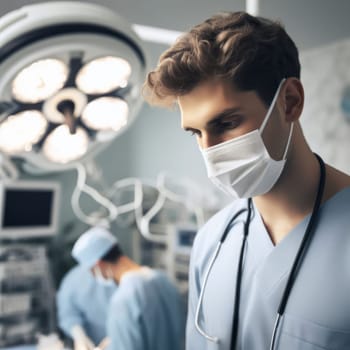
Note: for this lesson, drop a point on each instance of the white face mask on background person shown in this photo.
(242, 167)
(102, 279)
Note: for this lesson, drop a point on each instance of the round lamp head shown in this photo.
(39, 80)
(19, 132)
(70, 72)
(103, 75)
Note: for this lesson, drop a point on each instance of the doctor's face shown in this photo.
(216, 112)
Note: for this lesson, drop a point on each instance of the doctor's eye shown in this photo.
(223, 125)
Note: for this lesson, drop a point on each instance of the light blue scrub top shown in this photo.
(145, 314)
(81, 300)
(317, 316)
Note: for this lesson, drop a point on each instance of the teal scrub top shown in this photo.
(145, 313)
(81, 300)
(317, 316)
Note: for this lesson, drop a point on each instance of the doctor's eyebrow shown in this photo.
(229, 112)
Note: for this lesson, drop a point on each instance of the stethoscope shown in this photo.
(310, 229)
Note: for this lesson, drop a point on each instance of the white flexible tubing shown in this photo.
(138, 194)
(93, 193)
(143, 221)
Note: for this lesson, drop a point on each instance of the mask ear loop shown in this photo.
(272, 105)
(288, 142)
(268, 115)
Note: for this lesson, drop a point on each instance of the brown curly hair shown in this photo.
(253, 53)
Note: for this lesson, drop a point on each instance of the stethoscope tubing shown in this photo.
(201, 294)
(291, 277)
(206, 276)
(239, 274)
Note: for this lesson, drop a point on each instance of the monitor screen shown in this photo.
(184, 237)
(28, 209)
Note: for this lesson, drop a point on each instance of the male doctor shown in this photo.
(82, 307)
(271, 270)
(145, 311)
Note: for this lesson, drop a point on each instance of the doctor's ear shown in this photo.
(293, 99)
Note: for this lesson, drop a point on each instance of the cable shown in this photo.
(138, 193)
(80, 187)
(143, 221)
(128, 207)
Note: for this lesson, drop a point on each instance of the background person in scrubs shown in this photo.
(236, 81)
(82, 305)
(145, 311)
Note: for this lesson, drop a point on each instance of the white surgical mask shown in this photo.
(102, 279)
(242, 167)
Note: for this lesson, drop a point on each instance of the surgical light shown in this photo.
(106, 113)
(62, 146)
(77, 69)
(39, 80)
(19, 132)
(103, 75)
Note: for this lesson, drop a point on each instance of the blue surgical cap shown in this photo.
(92, 246)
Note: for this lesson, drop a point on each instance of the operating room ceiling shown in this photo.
(311, 23)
